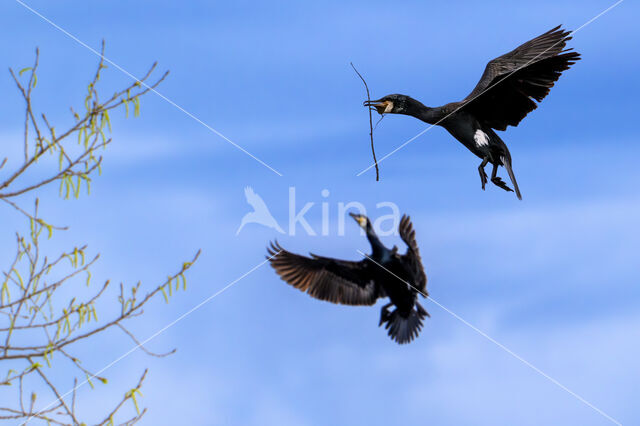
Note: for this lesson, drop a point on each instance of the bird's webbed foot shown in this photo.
(497, 181)
(384, 314)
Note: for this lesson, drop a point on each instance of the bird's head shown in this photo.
(362, 220)
(393, 104)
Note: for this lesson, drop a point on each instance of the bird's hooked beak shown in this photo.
(362, 220)
(381, 106)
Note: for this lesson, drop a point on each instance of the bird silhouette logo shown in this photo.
(260, 214)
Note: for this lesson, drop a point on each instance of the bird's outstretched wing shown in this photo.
(505, 94)
(412, 256)
(333, 280)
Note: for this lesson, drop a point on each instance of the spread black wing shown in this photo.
(412, 256)
(333, 280)
(505, 94)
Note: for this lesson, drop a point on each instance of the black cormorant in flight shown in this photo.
(384, 273)
(503, 97)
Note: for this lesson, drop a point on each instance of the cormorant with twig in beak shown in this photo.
(503, 97)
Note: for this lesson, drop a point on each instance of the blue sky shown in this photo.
(554, 277)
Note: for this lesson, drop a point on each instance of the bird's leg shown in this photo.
(496, 179)
(483, 174)
(384, 314)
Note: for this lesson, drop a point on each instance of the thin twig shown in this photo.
(373, 151)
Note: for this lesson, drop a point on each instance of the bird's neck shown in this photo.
(378, 249)
(425, 113)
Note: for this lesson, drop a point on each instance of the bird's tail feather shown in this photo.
(506, 160)
(404, 329)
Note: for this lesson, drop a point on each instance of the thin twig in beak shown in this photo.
(368, 104)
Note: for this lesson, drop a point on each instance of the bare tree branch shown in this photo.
(40, 328)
